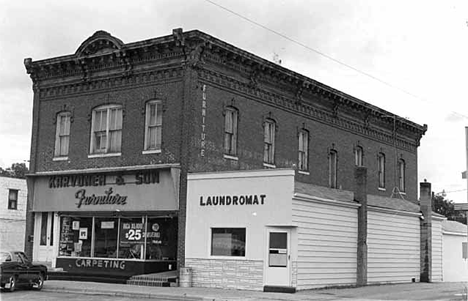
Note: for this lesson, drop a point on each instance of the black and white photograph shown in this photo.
(234, 150)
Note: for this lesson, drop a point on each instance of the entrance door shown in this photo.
(278, 258)
(45, 236)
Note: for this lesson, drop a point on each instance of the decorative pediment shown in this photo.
(99, 42)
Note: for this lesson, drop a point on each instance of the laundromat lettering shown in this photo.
(227, 200)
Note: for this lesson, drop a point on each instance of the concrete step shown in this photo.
(158, 279)
(148, 283)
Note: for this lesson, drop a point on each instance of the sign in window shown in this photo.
(278, 250)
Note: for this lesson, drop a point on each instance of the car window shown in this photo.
(17, 258)
(5, 256)
(23, 257)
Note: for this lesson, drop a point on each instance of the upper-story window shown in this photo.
(333, 169)
(401, 175)
(269, 128)
(13, 199)
(303, 150)
(381, 169)
(106, 130)
(153, 126)
(62, 134)
(358, 156)
(230, 131)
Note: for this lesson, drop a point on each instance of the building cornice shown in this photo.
(104, 55)
(308, 110)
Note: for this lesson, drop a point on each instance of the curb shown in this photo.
(152, 296)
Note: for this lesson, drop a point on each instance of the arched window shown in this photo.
(153, 126)
(230, 131)
(358, 156)
(381, 169)
(333, 168)
(106, 130)
(62, 134)
(269, 128)
(303, 160)
(401, 175)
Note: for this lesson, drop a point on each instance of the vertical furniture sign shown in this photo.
(203, 123)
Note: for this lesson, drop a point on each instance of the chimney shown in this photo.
(425, 205)
(360, 196)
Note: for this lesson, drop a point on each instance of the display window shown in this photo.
(137, 238)
(228, 242)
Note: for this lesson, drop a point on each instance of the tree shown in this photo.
(17, 170)
(445, 207)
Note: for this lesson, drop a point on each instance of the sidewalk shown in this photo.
(413, 291)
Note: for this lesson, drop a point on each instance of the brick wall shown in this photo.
(226, 274)
(133, 99)
(322, 138)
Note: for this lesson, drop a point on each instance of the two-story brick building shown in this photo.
(135, 146)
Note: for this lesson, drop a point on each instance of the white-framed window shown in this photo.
(333, 169)
(228, 242)
(106, 130)
(153, 126)
(62, 134)
(13, 199)
(401, 175)
(269, 128)
(358, 156)
(381, 169)
(230, 131)
(303, 150)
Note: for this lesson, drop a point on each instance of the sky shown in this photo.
(409, 57)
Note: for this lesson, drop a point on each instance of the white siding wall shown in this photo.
(454, 266)
(327, 244)
(393, 247)
(437, 248)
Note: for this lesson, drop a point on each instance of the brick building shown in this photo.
(121, 130)
(13, 196)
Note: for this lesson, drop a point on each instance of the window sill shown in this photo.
(382, 189)
(151, 151)
(59, 158)
(267, 165)
(104, 155)
(220, 257)
(303, 172)
(229, 157)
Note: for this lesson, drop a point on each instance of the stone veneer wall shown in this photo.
(226, 274)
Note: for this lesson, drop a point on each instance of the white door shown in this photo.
(278, 265)
(44, 236)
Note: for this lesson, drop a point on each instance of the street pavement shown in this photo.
(445, 291)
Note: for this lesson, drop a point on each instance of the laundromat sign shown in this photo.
(233, 200)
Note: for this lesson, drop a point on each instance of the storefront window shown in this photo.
(161, 238)
(228, 241)
(105, 237)
(150, 238)
(131, 238)
(75, 236)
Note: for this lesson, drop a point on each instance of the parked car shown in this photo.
(16, 270)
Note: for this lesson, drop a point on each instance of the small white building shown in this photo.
(261, 230)
(455, 267)
(13, 196)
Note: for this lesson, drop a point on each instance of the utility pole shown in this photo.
(464, 206)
